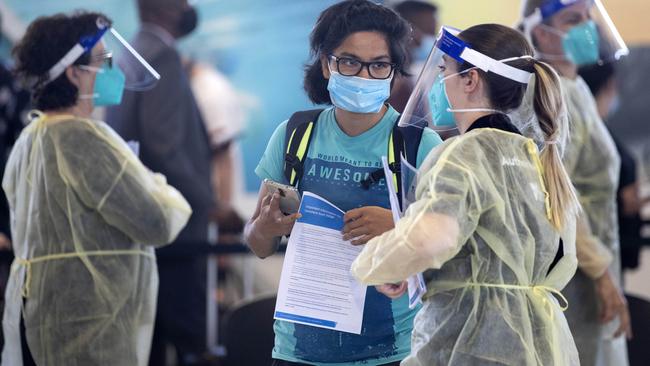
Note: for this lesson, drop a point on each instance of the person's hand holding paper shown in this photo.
(365, 223)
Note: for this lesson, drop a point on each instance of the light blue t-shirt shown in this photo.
(334, 168)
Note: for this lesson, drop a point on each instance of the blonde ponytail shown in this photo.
(549, 104)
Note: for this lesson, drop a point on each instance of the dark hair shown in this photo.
(148, 10)
(500, 42)
(339, 21)
(409, 8)
(597, 76)
(46, 41)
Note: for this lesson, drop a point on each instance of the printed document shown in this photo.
(316, 286)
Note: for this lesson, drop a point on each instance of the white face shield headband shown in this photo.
(428, 105)
(139, 75)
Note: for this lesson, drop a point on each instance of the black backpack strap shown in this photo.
(404, 140)
(411, 136)
(396, 148)
(297, 138)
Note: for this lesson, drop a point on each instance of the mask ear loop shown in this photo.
(549, 56)
(557, 32)
(329, 67)
(88, 96)
(465, 110)
(96, 70)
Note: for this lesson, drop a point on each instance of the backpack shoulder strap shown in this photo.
(404, 140)
(296, 143)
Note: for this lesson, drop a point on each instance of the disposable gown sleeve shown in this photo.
(9, 181)
(593, 256)
(431, 232)
(100, 168)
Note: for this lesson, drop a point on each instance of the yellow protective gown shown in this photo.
(85, 217)
(593, 163)
(481, 229)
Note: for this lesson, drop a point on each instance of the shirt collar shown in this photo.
(497, 120)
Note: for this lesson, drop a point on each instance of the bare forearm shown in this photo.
(223, 177)
(261, 245)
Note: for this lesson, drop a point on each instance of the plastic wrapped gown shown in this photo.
(481, 227)
(593, 163)
(86, 215)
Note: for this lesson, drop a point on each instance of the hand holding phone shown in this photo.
(289, 197)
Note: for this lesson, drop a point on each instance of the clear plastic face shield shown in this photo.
(429, 105)
(579, 31)
(116, 60)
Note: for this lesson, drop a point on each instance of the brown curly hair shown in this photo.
(46, 41)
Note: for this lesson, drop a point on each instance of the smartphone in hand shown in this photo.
(289, 196)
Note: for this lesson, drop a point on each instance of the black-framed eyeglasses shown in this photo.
(352, 67)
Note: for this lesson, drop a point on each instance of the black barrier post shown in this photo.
(212, 305)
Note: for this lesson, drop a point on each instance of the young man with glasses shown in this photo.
(357, 48)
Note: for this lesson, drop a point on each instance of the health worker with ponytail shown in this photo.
(569, 34)
(493, 227)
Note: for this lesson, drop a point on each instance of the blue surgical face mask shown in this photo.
(109, 85)
(439, 104)
(442, 113)
(581, 44)
(421, 52)
(356, 94)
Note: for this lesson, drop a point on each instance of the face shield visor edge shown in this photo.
(590, 36)
(138, 75)
(428, 105)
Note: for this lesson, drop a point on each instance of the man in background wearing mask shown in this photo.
(166, 124)
(423, 17)
(569, 34)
